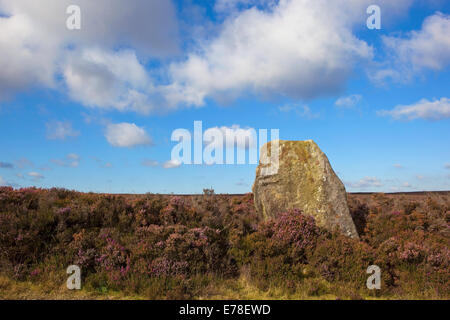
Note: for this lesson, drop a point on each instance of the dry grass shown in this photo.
(231, 289)
(17, 290)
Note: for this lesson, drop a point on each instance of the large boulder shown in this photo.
(303, 179)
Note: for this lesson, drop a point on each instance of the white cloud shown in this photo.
(447, 166)
(2, 182)
(348, 102)
(28, 57)
(428, 48)
(398, 166)
(171, 164)
(126, 135)
(35, 42)
(60, 130)
(366, 182)
(104, 79)
(424, 109)
(150, 163)
(104, 22)
(71, 160)
(234, 136)
(301, 49)
(420, 177)
(35, 175)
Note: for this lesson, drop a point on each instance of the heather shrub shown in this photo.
(359, 215)
(181, 247)
(278, 251)
(178, 211)
(339, 258)
(239, 219)
(383, 226)
(146, 211)
(83, 249)
(297, 233)
(416, 259)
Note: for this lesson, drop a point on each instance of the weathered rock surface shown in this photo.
(304, 180)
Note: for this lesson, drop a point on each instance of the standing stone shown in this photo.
(304, 180)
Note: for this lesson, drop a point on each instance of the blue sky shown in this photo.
(94, 109)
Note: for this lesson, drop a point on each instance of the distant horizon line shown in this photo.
(227, 194)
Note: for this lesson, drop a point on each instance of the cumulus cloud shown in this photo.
(298, 49)
(171, 164)
(35, 41)
(60, 130)
(428, 48)
(71, 160)
(233, 136)
(126, 135)
(364, 183)
(301, 49)
(424, 109)
(35, 175)
(27, 58)
(114, 80)
(349, 101)
(6, 165)
(105, 22)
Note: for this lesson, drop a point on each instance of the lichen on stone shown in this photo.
(304, 180)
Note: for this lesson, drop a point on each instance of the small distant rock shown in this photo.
(304, 180)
